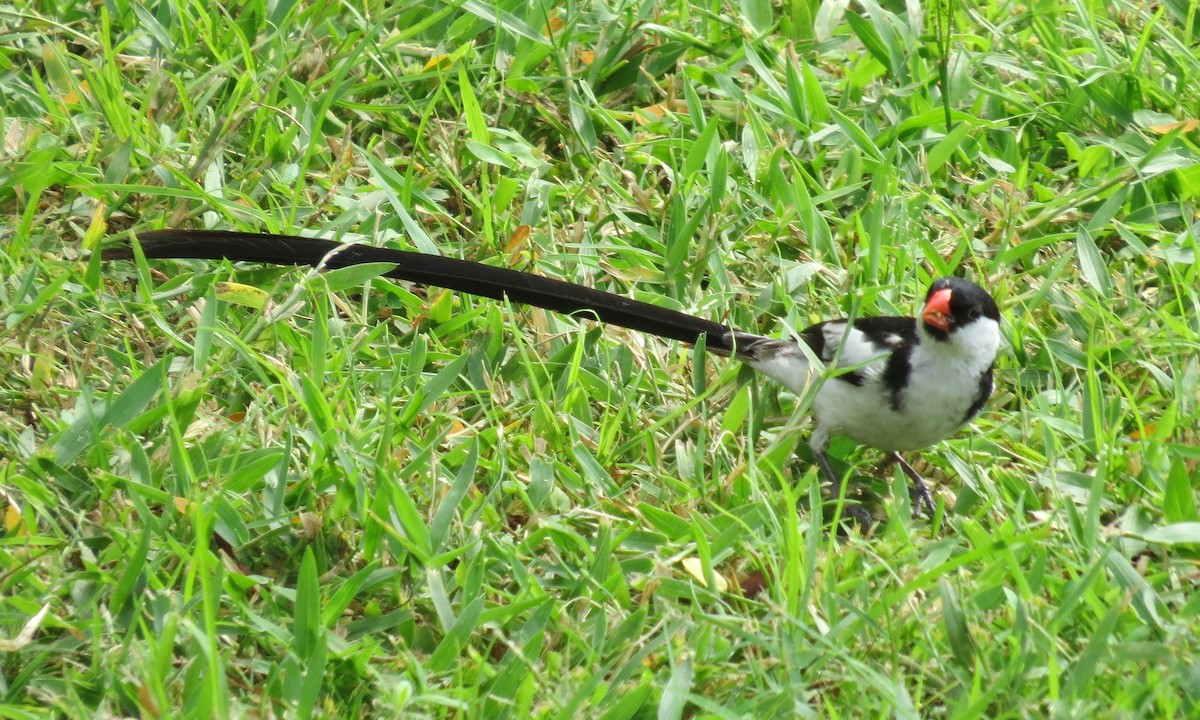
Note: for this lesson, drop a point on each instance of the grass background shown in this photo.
(375, 500)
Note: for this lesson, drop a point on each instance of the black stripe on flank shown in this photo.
(895, 376)
(982, 393)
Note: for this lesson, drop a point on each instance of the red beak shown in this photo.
(937, 310)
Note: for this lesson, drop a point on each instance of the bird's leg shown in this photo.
(920, 493)
(854, 512)
(826, 468)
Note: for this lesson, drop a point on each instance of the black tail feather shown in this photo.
(461, 275)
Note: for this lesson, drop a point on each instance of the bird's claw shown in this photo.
(921, 498)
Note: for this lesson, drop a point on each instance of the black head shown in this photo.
(953, 303)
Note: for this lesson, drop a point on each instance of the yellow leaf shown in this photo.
(12, 519)
(97, 228)
(555, 24)
(73, 96)
(1139, 435)
(240, 294)
(441, 307)
(41, 373)
(437, 62)
(516, 241)
(1182, 126)
(651, 114)
(695, 568)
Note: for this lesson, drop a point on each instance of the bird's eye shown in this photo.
(974, 313)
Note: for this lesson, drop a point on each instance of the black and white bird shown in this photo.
(895, 383)
(909, 382)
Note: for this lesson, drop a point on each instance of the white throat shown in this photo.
(972, 347)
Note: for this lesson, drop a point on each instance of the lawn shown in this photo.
(358, 498)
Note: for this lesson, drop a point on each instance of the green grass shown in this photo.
(376, 500)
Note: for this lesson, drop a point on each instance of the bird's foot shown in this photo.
(854, 513)
(921, 498)
(858, 515)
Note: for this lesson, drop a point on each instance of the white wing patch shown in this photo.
(853, 349)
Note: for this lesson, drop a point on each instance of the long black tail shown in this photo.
(461, 275)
